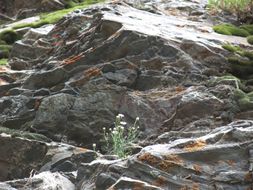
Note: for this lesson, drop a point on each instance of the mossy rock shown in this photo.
(2, 42)
(248, 28)
(25, 135)
(238, 50)
(225, 79)
(245, 101)
(241, 68)
(9, 36)
(232, 48)
(248, 54)
(3, 62)
(5, 51)
(229, 29)
(250, 39)
(53, 17)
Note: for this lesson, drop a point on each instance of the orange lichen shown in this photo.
(164, 164)
(230, 162)
(37, 104)
(170, 161)
(58, 43)
(248, 177)
(138, 186)
(179, 89)
(80, 150)
(94, 71)
(197, 168)
(195, 186)
(173, 158)
(3, 69)
(195, 146)
(149, 158)
(72, 59)
(160, 181)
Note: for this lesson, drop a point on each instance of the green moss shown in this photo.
(227, 78)
(238, 50)
(248, 54)
(3, 61)
(51, 18)
(241, 67)
(5, 51)
(250, 39)
(232, 48)
(229, 29)
(245, 101)
(9, 36)
(248, 28)
(2, 42)
(22, 134)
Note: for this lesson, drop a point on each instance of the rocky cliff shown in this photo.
(160, 61)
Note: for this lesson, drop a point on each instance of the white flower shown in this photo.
(123, 123)
(115, 132)
(103, 128)
(137, 119)
(121, 127)
(120, 116)
(110, 129)
(94, 146)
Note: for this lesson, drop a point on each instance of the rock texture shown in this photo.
(159, 61)
(26, 8)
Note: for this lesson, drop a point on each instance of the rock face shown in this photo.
(159, 61)
(26, 8)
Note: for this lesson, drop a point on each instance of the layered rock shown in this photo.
(67, 82)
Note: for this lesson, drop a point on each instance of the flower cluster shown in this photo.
(121, 136)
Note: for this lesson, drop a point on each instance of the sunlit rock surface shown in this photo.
(156, 60)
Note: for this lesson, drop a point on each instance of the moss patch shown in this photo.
(51, 18)
(22, 134)
(3, 61)
(232, 48)
(248, 54)
(250, 39)
(229, 29)
(226, 79)
(245, 101)
(248, 28)
(241, 67)
(9, 36)
(5, 51)
(238, 50)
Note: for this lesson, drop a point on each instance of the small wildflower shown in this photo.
(137, 119)
(120, 116)
(94, 146)
(123, 123)
(110, 129)
(103, 128)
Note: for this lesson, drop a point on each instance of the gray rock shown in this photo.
(19, 157)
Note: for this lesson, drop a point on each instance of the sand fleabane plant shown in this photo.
(121, 136)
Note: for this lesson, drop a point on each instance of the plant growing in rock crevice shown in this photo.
(243, 9)
(121, 136)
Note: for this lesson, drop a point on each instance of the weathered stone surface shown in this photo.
(18, 157)
(42, 181)
(183, 163)
(156, 60)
